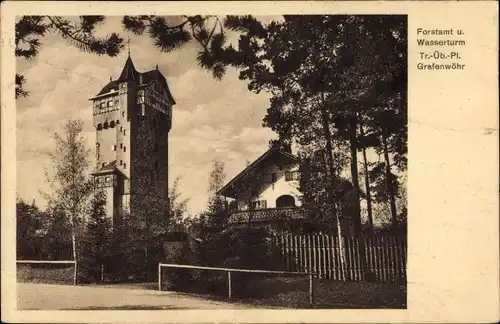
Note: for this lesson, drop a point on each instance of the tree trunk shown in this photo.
(354, 173)
(367, 184)
(332, 196)
(353, 141)
(390, 189)
(73, 241)
(146, 246)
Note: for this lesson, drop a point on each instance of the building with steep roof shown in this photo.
(266, 190)
(132, 116)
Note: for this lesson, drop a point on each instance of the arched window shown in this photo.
(106, 125)
(285, 201)
(99, 126)
(112, 124)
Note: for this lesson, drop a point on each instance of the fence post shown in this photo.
(159, 276)
(75, 274)
(229, 284)
(311, 289)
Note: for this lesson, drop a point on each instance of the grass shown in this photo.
(46, 274)
(293, 292)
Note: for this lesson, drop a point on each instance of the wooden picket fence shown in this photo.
(385, 255)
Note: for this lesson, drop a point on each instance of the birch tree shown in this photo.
(70, 183)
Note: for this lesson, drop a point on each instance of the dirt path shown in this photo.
(59, 297)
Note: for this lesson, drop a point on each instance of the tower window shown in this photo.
(114, 148)
(121, 129)
(124, 132)
(124, 149)
(124, 165)
(103, 164)
(121, 145)
(121, 162)
(123, 114)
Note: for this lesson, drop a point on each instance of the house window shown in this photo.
(102, 104)
(121, 129)
(124, 165)
(121, 162)
(292, 175)
(123, 114)
(285, 201)
(103, 164)
(110, 103)
(114, 148)
(259, 204)
(124, 132)
(273, 177)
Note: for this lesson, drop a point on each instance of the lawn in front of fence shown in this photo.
(292, 292)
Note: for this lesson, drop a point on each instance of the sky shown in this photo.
(211, 120)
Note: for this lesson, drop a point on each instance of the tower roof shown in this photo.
(130, 74)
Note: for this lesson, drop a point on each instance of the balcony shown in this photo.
(265, 215)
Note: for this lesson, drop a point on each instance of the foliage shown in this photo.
(29, 230)
(216, 214)
(245, 248)
(95, 245)
(70, 184)
(78, 32)
(177, 209)
(168, 33)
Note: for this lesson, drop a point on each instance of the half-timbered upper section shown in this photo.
(134, 92)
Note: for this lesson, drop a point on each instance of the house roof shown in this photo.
(108, 168)
(130, 74)
(269, 155)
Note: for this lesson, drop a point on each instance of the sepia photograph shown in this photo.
(249, 162)
(211, 162)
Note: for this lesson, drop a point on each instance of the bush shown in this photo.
(178, 249)
(245, 248)
(48, 273)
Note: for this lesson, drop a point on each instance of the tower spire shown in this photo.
(128, 44)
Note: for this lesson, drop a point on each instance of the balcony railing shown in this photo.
(265, 215)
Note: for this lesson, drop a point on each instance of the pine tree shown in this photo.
(96, 241)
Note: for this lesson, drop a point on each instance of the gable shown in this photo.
(256, 177)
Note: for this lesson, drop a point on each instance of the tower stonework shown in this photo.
(132, 117)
